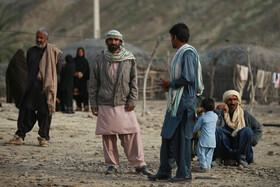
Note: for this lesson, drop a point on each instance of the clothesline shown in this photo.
(263, 80)
(261, 74)
(233, 64)
(263, 77)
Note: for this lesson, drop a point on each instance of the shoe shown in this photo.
(202, 170)
(144, 170)
(17, 140)
(158, 177)
(86, 108)
(229, 162)
(79, 108)
(217, 162)
(177, 179)
(42, 142)
(243, 163)
(111, 170)
(66, 112)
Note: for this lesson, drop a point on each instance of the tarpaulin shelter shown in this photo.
(224, 61)
(94, 47)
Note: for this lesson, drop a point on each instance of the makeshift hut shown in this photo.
(94, 47)
(220, 72)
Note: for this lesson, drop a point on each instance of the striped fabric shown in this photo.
(174, 95)
(115, 34)
(120, 56)
(123, 54)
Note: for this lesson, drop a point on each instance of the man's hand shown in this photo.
(94, 111)
(79, 75)
(164, 84)
(223, 107)
(199, 110)
(129, 107)
(194, 134)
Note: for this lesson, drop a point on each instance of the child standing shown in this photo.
(207, 140)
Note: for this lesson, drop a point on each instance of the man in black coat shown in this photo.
(38, 101)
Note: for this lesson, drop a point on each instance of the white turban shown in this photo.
(230, 93)
(237, 122)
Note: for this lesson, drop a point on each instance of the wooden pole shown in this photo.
(152, 86)
(146, 77)
(168, 61)
(212, 75)
(252, 94)
(251, 82)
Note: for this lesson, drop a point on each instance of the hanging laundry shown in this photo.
(260, 79)
(240, 76)
(266, 85)
(243, 73)
(278, 75)
(276, 79)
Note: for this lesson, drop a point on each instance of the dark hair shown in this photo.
(69, 59)
(208, 104)
(78, 51)
(181, 31)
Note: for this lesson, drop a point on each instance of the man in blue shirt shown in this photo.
(178, 125)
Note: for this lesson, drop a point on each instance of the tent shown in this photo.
(224, 61)
(93, 47)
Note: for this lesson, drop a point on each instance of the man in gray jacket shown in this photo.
(237, 131)
(113, 92)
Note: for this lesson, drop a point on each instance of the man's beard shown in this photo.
(112, 48)
(41, 45)
(232, 108)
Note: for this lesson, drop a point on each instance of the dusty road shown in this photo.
(75, 155)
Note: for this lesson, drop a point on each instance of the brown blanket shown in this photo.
(48, 74)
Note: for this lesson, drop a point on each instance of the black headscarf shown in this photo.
(67, 73)
(81, 65)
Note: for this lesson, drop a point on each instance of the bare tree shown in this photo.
(251, 83)
(146, 75)
(212, 74)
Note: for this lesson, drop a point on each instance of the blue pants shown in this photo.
(236, 148)
(205, 155)
(177, 149)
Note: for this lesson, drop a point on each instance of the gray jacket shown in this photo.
(102, 90)
(250, 121)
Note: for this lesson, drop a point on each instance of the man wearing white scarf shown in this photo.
(113, 93)
(237, 131)
(183, 87)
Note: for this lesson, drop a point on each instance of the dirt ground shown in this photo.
(75, 155)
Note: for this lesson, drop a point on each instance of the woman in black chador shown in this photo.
(16, 76)
(66, 82)
(81, 77)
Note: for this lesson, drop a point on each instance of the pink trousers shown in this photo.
(132, 145)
